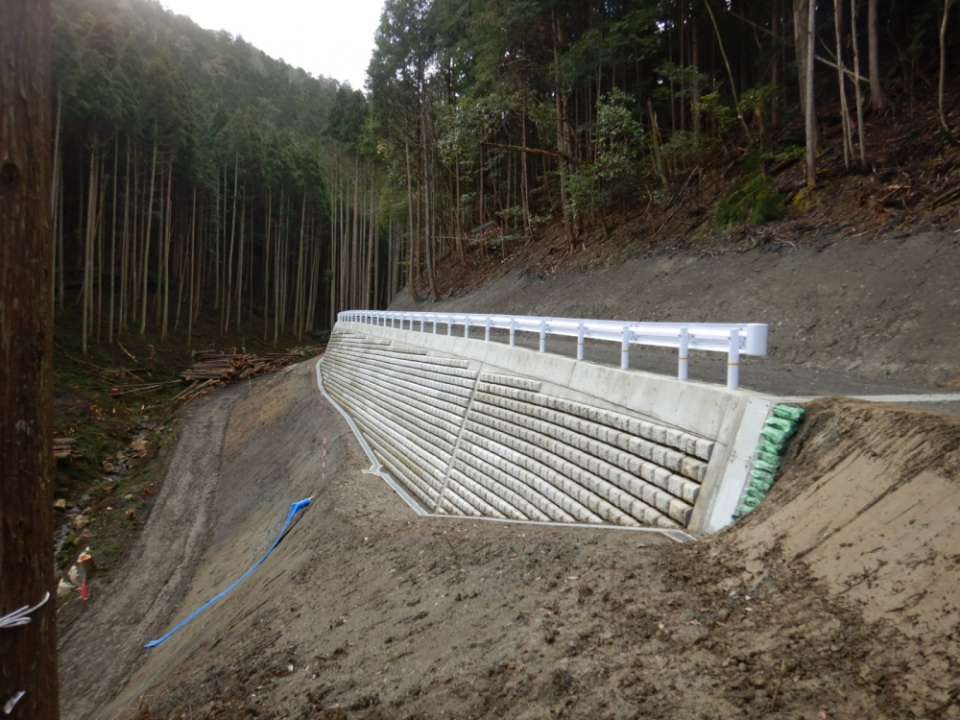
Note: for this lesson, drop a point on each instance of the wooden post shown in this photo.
(29, 686)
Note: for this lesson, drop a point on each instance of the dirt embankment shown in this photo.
(835, 599)
(879, 305)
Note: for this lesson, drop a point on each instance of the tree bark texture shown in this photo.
(28, 653)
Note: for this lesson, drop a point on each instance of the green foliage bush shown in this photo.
(752, 200)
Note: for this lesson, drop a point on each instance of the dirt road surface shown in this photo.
(835, 599)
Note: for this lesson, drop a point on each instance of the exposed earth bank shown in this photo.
(837, 598)
(878, 305)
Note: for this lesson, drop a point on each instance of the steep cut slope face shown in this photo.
(870, 502)
(877, 305)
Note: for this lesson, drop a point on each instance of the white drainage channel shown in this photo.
(376, 468)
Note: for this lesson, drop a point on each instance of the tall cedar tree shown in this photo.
(28, 653)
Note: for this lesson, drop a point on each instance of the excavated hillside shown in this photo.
(836, 598)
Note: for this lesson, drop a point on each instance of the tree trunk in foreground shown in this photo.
(28, 653)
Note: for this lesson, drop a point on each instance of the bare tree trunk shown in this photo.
(561, 105)
(88, 247)
(228, 285)
(28, 654)
(113, 235)
(856, 83)
(414, 262)
(841, 83)
(726, 63)
(878, 98)
(943, 68)
(695, 63)
(191, 266)
(146, 242)
(55, 202)
(279, 258)
(167, 234)
(243, 218)
(810, 113)
(266, 265)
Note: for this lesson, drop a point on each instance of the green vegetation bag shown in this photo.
(762, 476)
(775, 436)
(768, 448)
(788, 412)
(770, 458)
(771, 467)
(787, 426)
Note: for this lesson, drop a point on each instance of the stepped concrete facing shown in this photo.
(481, 429)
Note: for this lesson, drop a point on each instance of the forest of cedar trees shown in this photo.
(195, 176)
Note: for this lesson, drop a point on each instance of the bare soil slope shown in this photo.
(881, 305)
(813, 606)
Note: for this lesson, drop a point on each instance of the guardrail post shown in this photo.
(580, 337)
(625, 349)
(449, 324)
(683, 356)
(434, 325)
(466, 326)
(543, 336)
(513, 332)
(486, 330)
(733, 361)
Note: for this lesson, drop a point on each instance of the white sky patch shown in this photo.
(333, 38)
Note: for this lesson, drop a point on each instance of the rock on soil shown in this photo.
(835, 599)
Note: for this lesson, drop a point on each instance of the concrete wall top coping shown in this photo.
(694, 407)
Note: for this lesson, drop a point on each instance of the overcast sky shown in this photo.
(325, 37)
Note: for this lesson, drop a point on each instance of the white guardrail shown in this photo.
(729, 338)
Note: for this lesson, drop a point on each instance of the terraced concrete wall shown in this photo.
(481, 429)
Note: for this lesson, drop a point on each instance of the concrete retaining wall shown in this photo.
(481, 429)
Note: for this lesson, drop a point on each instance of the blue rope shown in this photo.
(294, 509)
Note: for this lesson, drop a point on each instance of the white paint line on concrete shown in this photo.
(902, 399)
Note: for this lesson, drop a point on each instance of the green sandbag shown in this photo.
(750, 502)
(787, 426)
(768, 448)
(768, 458)
(756, 493)
(759, 464)
(761, 485)
(762, 476)
(788, 412)
(741, 511)
(775, 435)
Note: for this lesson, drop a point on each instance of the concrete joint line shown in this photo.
(375, 464)
(456, 445)
(376, 468)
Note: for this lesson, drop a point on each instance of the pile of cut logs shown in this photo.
(228, 367)
(65, 450)
(215, 369)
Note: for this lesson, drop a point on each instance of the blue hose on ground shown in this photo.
(294, 509)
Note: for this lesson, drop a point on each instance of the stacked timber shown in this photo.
(65, 450)
(231, 367)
